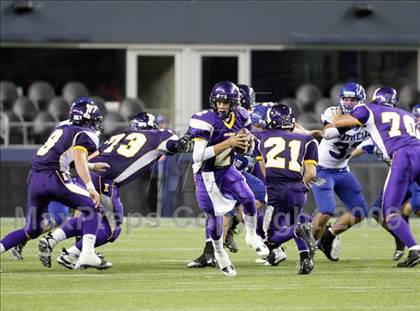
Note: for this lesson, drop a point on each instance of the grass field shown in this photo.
(149, 273)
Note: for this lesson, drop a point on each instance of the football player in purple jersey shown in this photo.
(290, 165)
(49, 180)
(129, 154)
(219, 185)
(393, 131)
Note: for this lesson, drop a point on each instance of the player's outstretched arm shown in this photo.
(341, 120)
(309, 172)
(80, 162)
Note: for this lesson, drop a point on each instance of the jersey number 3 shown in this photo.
(135, 142)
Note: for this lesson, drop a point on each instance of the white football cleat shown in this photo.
(276, 256)
(67, 259)
(91, 260)
(225, 264)
(257, 244)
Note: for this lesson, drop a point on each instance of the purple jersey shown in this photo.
(131, 153)
(208, 126)
(284, 154)
(390, 128)
(57, 152)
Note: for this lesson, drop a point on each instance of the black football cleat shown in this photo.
(45, 250)
(306, 263)
(276, 256)
(205, 260)
(330, 245)
(230, 242)
(17, 251)
(398, 254)
(412, 259)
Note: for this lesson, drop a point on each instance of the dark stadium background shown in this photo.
(166, 55)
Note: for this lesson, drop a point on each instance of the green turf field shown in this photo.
(149, 273)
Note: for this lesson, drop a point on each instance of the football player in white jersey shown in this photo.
(334, 153)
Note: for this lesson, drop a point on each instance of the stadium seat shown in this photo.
(370, 90)
(334, 92)
(409, 96)
(8, 94)
(41, 93)
(100, 102)
(4, 128)
(309, 120)
(24, 109)
(59, 109)
(291, 102)
(307, 95)
(113, 122)
(131, 106)
(73, 90)
(43, 124)
(323, 104)
(15, 127)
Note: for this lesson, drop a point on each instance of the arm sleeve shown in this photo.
(331, 133)
(86, 141)
(201, 152)
(361, 113)
(311, 155)
(367, 146)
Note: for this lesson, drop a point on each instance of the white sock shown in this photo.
(74, 250)
(250, 224)
(2, 249)
(208, 240)
(58, 235)
(88, 243)
(218, 245)
(414, 248)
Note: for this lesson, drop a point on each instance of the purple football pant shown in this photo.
(44, 187)
(287, 204)
(405, 168)
(232, 186)
(105, 233)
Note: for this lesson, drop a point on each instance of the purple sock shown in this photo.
(283, 234)
(14, 238)
(214, 226)
(260, 224)
(301, 244)
(72, 227)
(401, 229)
(250, 208)
(90, 221)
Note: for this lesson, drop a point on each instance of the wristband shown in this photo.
(90, 166)
(90, 186)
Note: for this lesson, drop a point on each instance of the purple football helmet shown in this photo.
(351, 90)
(84, 112)
(416, 111)
(281, 117)
(224, 91)
(247, 96)
(143, 121)
(385, 95)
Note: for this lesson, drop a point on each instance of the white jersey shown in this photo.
(336, 152)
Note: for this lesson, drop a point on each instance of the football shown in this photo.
(250, 141)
